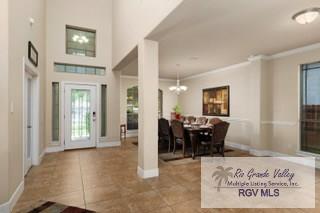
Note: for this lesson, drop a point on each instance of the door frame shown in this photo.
(29, 70)
(62, 111)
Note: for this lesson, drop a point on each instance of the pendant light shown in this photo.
(178, 88)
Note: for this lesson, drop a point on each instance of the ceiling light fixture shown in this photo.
(306, 16)
(178, 88)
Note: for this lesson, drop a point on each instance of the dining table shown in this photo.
(194, 133)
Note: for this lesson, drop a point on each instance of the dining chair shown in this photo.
(219, 132)
(214, 121)
(202, 120)
(164, 132)
(191, 119)
(178, 135)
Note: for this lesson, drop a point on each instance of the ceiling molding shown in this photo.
(136, 78)
(295, 51)
(217, 70)
(258, 57)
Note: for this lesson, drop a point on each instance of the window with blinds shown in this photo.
(310, 108)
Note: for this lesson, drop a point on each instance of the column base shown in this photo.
(148, 173)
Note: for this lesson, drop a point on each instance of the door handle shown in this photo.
(29, 127)
(94, 116)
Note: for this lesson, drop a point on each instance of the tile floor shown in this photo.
(105, 180)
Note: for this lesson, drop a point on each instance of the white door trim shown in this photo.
(62, 111)
(28, 69)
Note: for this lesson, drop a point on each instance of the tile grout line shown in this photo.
(84, 196)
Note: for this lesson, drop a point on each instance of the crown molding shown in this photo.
(258, 57)
(295, 51)
(217, 70)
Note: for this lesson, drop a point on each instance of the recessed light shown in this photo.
(306, 16)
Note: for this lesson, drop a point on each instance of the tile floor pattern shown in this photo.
(105, 180)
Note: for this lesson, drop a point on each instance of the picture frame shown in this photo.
(32, 54)
(216, 101)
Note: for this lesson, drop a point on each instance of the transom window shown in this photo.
(80, 41)
(79, 69)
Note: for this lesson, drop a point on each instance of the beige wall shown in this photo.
(20, 32)
(238, 79)
(170, 99)
(133, 20)
(97, 15)
(4, 59)
(284, 100)
(275, 113)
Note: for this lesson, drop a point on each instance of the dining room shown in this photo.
(202, 75)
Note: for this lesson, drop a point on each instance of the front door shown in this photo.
(80, 116)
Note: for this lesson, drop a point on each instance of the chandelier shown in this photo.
(178, 88)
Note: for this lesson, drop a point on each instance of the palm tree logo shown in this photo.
(222, 174)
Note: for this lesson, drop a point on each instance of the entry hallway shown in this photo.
(105, 180)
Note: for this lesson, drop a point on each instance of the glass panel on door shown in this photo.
(310, 108)
(81, 114)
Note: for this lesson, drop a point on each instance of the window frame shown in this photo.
(84, 29)
(303, 71)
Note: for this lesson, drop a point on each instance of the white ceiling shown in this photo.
(210, 34)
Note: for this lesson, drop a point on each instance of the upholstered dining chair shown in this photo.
(178, 135)
(164, 132)
(219, 133)
(191, 119)
(214, 121)
(202, 120)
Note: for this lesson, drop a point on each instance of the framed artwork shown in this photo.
(32, 54)
(216, 101)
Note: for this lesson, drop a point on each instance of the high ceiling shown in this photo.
(210, 34)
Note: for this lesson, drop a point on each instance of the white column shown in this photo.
(148, 62)
(4, 107)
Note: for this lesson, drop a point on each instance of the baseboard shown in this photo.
(260, 153)
(108, 144)
(269, 153)
(8, 206)
(52, 149)
(255, 152)
(148, 173)
(238, 146)
(132, 134)
(41, 156)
